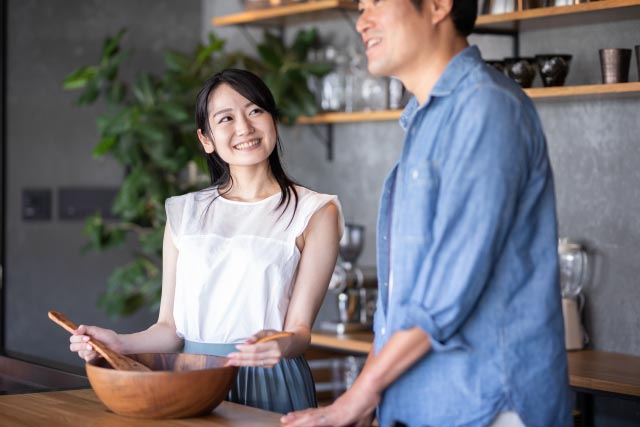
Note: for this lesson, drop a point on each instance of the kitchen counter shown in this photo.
(589, 370)
(82, 407)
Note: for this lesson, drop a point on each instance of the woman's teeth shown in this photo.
(248, 144)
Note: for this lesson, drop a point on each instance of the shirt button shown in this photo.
(415, 174)
(383, 330)
(386, 284)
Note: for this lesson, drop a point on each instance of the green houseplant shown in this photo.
(148, 127)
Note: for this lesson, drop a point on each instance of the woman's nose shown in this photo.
(243, 127)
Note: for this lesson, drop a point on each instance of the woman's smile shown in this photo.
(248, 145)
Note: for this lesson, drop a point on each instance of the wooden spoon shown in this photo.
(274, 337)
(116, 360)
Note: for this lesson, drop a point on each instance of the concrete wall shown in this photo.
(49, 144)
(593, 145)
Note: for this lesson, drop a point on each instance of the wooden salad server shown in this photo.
(274, 337)
(116, 360)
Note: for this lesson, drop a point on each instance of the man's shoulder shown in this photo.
(485, 85)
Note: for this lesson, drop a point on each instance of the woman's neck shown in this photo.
(250, 184)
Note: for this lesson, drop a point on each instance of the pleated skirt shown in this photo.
(286, 387)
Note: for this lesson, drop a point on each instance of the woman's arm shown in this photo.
(159, 338)
(319, 250)
(318, 259)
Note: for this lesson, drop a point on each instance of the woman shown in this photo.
(248, 257)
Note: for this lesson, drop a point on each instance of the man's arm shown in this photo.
(356, 406)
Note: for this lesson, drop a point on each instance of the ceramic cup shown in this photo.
(614, 64)
(521, 70)
(553, 68)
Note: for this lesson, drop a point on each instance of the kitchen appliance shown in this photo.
(574, 273)
(355, 302)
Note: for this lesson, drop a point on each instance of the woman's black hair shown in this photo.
(463, 14)
(255, 90)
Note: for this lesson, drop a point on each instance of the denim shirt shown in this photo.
(467, 225)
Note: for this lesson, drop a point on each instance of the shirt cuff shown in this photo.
(412, 315)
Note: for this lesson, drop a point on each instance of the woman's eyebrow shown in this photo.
(226, 110)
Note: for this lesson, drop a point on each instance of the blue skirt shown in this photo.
(286, 387)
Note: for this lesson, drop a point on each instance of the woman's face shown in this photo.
(242, 133)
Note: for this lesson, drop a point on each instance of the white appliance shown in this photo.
(574, 272)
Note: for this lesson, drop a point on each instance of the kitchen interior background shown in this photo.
(593, 144)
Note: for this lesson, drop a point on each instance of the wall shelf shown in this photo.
(272, 13)
(583, 90)
(545, 12)
(534, 93)
(360, 116)
(265, 15)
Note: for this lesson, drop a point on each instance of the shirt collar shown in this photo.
(459, 66)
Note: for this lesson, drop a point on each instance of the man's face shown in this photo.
(394, 33)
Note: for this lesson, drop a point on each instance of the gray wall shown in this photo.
(593, 145)
(50, 141)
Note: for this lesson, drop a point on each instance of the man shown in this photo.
(468, 328)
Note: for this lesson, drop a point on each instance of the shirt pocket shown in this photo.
(420, 196)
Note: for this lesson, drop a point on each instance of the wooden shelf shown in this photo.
(584, 90)
(544, 12)
(262, 15)
(360, 116)
(534, 93)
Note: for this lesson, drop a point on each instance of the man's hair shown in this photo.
(463, 13)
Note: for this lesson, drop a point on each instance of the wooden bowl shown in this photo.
(180, 385)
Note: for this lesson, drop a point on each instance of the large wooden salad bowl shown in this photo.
(179, 385)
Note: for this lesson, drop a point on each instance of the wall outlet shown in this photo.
(36, 204)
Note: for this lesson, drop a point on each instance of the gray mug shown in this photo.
(614, 64)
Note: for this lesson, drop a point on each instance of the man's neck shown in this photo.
(421, 79)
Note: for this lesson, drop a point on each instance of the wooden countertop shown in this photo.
(588, 369)
(602, 371)
(82, 407)
(355, 342)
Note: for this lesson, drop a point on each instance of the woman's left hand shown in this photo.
(265, 355)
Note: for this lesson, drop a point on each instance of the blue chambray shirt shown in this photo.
(467, 223)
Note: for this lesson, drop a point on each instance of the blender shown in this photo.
(356, 303)
(574, 270)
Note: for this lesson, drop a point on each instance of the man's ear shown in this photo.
(206, 142)
(440, 9)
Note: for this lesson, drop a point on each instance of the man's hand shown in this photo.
(355, 407)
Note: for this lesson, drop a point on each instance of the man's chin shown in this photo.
(378, 70)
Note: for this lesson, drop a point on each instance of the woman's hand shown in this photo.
(265, 355)
(81, 336)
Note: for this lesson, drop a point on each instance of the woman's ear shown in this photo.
(206, 142)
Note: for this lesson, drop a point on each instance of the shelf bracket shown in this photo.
(326, 139)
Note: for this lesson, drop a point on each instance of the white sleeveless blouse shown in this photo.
(237, 262)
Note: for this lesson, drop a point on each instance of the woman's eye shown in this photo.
(256, 111)
(224, 119)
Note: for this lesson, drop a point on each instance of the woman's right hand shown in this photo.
(79, 341)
